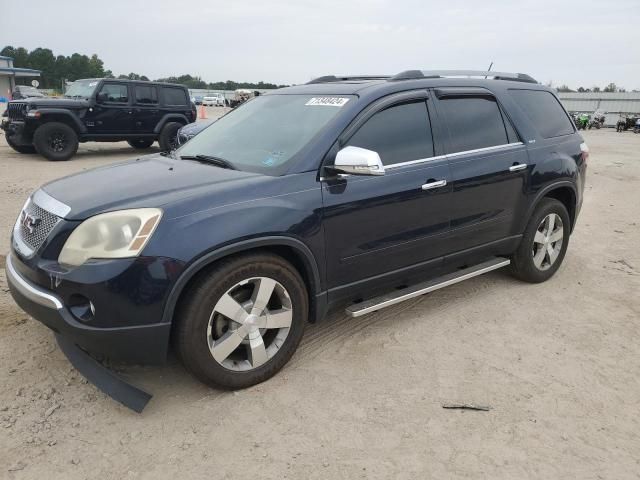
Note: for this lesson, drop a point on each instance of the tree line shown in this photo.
(611, 88)
(56, 69)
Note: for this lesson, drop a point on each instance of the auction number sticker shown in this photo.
(327, 101)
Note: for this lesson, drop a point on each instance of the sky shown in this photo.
(578, 43)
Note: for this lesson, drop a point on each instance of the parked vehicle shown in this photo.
(99, 110)
(582, 121)
(597, 121)
(26, 91)
(353, 191)
(240, 96)
(189, 131)
(213, 100)
(636, 127)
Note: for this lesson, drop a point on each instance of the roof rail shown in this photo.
(415, 74)
(333, 78)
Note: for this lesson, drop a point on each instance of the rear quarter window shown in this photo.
(174, 96)
(544, 111)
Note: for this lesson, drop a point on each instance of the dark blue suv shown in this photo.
(353, 191)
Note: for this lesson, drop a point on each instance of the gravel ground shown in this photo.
(559, 363)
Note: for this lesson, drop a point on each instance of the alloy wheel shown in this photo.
(57, 141)
(249, 323)
(547, 242)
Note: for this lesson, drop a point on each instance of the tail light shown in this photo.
(584, 150)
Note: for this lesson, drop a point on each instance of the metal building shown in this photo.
(9, 73)
(611, 104)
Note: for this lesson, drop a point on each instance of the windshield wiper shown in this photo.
(217, 161)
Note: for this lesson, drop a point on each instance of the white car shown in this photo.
(213, 100)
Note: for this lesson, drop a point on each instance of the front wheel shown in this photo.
(56, 141)
(241, 322)
(544, 243)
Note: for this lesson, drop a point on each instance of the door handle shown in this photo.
(436, 184)
(517, 167)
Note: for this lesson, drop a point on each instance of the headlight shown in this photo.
(120, 234)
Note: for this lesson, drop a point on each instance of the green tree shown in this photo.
(610, 88)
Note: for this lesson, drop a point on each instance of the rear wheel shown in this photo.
(140, 143)
(241, 322)
(168, 136)
(21, 148)
(56, 141)
(544, 242)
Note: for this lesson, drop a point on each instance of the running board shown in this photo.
(386, 300)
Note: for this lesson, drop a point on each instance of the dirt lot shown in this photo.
(558, 362)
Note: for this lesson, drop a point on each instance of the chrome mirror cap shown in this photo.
(358, 161)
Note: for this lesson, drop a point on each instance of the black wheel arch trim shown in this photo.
(79, 127)
(170, 117)
(238, 247)
(543, 193)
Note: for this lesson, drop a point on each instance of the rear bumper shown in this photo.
(146, 344)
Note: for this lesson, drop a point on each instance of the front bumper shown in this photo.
(146, 343)
(16, 131)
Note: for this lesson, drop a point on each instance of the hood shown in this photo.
(47, 102)
(151, 181)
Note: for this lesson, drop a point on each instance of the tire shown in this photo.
(56, 141)
(200, 328)
(140, 143)
(21, 148)
(167, 138)
(533, 261)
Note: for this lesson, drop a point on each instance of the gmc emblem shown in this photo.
(29, 222)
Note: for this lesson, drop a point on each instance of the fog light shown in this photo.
(82, 308)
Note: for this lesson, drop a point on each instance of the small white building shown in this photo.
(8, 75)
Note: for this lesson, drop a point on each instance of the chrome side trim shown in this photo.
(393, 298)
(485, 149)
(47, 202)
(506, 146)
(32, 292)
(414, 162)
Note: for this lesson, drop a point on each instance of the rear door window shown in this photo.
(400, 133)
(174, 96)
(544, 111)
(473, 123)
(146, 94)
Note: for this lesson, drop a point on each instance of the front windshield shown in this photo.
(266, 132)
(81, 89)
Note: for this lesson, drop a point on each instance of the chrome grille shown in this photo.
(16, 110)
(34, 225)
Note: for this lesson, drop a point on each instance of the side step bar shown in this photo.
(386, 300)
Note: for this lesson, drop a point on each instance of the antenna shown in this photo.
(489, 69)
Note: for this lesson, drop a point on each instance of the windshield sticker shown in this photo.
(327, 101)
(273, 158)
(93, 84)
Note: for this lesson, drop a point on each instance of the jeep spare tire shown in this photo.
(168, 136)
(56, 141)
(140, 143)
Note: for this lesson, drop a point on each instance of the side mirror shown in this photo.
(358, 161)
(102, 97)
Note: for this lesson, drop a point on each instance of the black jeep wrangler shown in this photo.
(99, 110)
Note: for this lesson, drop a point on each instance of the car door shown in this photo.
(381, 228)
(146, 110)
(489, 167)
(113, 113)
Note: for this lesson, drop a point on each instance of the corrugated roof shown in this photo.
(614, 102)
